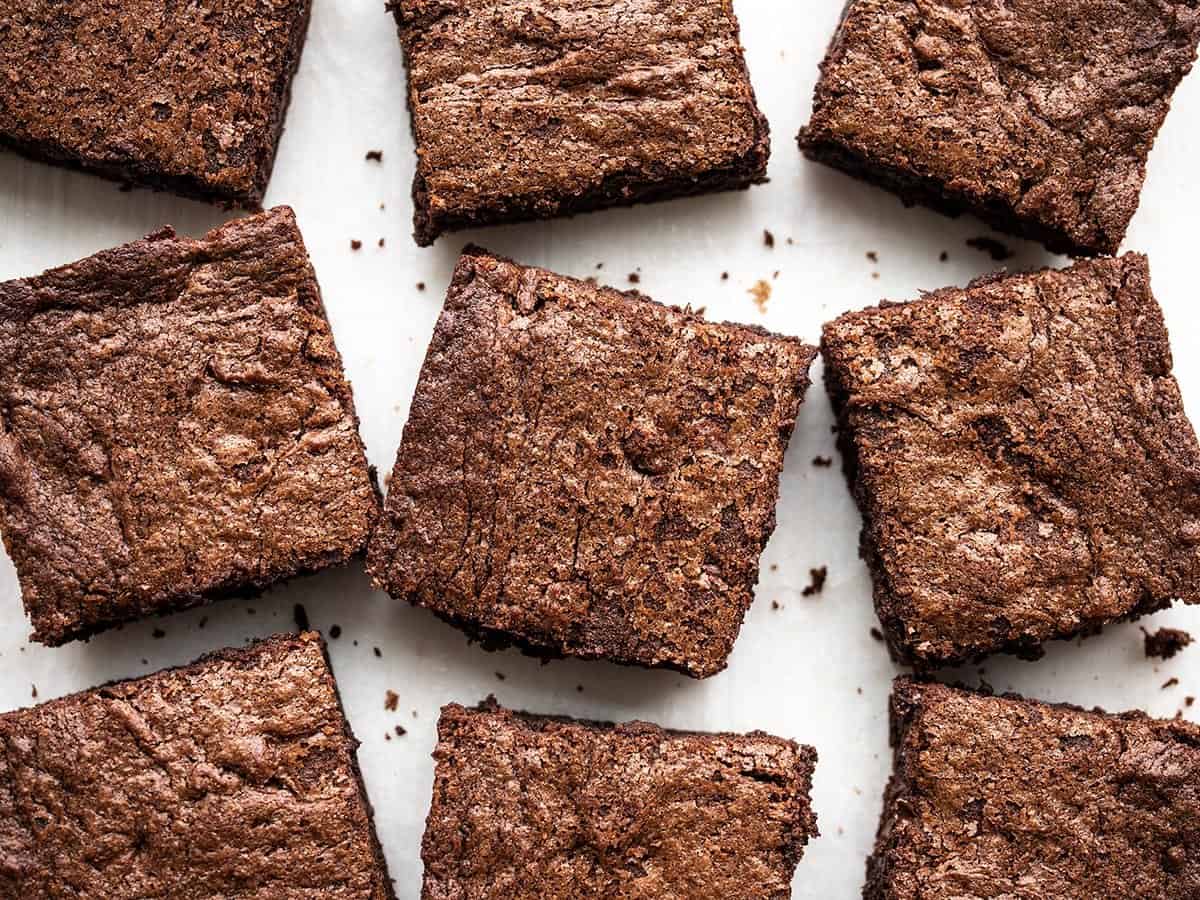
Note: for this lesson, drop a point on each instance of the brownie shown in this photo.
(1035, 116)
(1007, 797)
(233, 776)
(184, 97)
(528, 109)
(174, 426)
(529, 806)
(1021, 458)
(586, 472)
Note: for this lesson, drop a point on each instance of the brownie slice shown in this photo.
(233, 776)
(1035, 116)
(1021, 458)
(531, 806)
(586, 472)
(528, 110)
(1007, 797)
(174, 426)
(184, 97)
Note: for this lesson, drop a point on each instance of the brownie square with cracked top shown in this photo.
(1006, 797)
(586, 472)
(529, 806)
(174, 426)
(1036, 116)
(233, 776)
(528, 110)
(1021, 458)
(183, 97)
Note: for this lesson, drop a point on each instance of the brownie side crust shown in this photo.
(1037, 118)
(534, 110)
(529, 806)
(184, 98)
(175, 426)
(1021, 457)
(588, 473)
(232, 776)
(1009, 797)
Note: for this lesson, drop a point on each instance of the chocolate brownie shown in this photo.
(1021, 458)
(184, 97)
(530, 807)
(1007, 797)
(233, 776)
(586, 472)
(1036, 116)
(174, 426)
(528, 109)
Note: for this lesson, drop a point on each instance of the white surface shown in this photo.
(808, 670)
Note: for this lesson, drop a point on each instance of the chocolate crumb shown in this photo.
(356, 642)
(500, 676)
(774, 567)
(401, 731)
(335, 631)
(1170, 683)
(355, 244)
(300, 614)
(33, 691)
(203, 621)
(250, 610)
(816, 581)
(378, 652)
(381, 242)
(998, 251)
(877, 635)
(822, 462)
(1165, 642)
(873, 256)
(775, 604)
(375, 155)
(1189, 701)
(768, 238)
(387, 735)
(724, 276)
(775, 275)
(579, 688)
(420, 285)
(158, 633)
(761, 292)
(634, 278)
(391, 700)
(943, 256)
(790, 242)
(599, 265)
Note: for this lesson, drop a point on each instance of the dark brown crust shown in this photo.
(158, 730)
(151, 154)
(241, 443)
(586, 181)
(1004, 796)
(529, 806)
(588, 473)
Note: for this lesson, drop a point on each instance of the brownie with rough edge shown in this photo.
(1021, 458)
(528, 110)
(183, 97)
(528, 806)
(1006, 797)
(174, 426)
(586, 472)
(233, 776)
(1036, 116)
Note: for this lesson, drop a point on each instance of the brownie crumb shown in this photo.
(876, 634)
(1189, 701)
(775, 605)
(400, 730)
(335, 631)
(790, 242)
(33, 691)
(816, 581)
(381, 242)
(378, 652)
(300, 615)
(822, 462)
(158, 633)
(599, 265)
(724, 276)
(1170, 683)
(203, 621)
(579, 688)
(873, 256)
(391, 700)
(634, 278)
(768, 239)
(943, 256)
(1165, 642)
(998, 251)
(761, 292)
(375, 155)
(500, 676)
(250, 610)
(387, 735)
(355, 244)
(420, 285)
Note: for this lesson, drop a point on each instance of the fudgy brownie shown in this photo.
(233, 776)
(527, 110)
(586, 472)
(185, 97)
(1021, 458)
(531, 806)
(1035, 116)
(174, 426)
(1007, 797)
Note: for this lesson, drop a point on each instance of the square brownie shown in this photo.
(529, 806)
(174, 426)
(586, 472)
(1007, 797)
(183, 97)
(529, 110)
(1021, 458)
(1035, 116)
(234, 776)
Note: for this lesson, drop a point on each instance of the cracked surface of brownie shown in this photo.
(586, 472)
(1006, 797)
(527, 110)
(1021, 457)
(234, 776)
(529, 806)
(1037, 116)
(174, 426)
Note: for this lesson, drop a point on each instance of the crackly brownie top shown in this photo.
(173, 421)
(1024, 463)
(1005, 797)
(1046, 108)
(526, 103)
(589, 471)
(534, 807)
(231, 777)
(188, 91)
